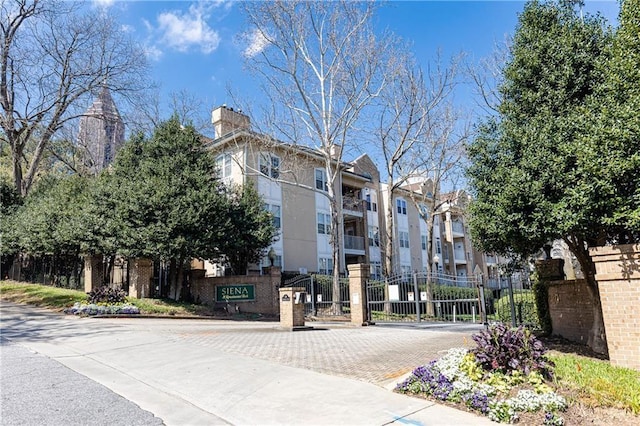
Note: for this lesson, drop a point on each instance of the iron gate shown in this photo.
(418, 297)
(319, 295)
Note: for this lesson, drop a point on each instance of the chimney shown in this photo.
(225, 120)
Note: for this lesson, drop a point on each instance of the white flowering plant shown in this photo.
(458, 377)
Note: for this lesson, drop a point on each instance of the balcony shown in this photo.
(354, 245)
(352, 206)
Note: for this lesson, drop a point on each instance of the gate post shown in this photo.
(292, 307)
(141, 274)
(93, 272)
(358, 275)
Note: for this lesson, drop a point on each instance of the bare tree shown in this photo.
(442, 160)
(487, 75)
(53, 56)
(320, 64)
(409, 113)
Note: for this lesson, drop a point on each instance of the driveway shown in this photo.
(226, 372)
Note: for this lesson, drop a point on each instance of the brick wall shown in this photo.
(203, 290)
(571, 309)
(618, 276)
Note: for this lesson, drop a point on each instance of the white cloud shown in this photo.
(152, 52)
(185, 30)
(256, 43)
(103, 3)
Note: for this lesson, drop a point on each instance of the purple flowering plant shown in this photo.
(503, 349)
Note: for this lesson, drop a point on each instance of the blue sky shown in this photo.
(193, 46)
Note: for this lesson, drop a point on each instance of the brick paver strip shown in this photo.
(374, 354)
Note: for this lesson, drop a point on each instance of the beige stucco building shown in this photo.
(292, 181)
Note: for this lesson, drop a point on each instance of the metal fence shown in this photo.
(320, 301)
(58, 271)
(420, 297)
(513, 307)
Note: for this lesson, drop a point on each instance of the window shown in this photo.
(371, 206)
(424, 212)
(404, 239)
(438, 245)
(405, 270)
(324, 223)
(376, 271)
(224, 165)
(275, 210)
(321, 180)
(325, 266)
(270, 165)
(374, 237)
(423, 240)
(402, 206)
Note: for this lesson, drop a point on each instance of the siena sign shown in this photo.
(236, 293)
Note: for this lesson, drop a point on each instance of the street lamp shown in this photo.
(272, 256)
(436, 261)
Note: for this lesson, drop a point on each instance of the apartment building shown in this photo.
(293, 183)
(448, 251)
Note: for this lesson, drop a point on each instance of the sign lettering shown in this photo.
(235, 293)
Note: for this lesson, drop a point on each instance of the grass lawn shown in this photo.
(58, 299)
(597, 383)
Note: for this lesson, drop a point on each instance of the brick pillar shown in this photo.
(291, 313)
(358, 275)
(93, 272)
(618, 276)
(140, 276)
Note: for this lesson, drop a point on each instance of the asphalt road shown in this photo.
(36, 390)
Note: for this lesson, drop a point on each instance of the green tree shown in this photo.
(10, 201)
(49, 223)
(163, 200)
(525, 171)
(250, 228)
(609, 152)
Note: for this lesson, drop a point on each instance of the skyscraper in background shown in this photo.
(101, 132)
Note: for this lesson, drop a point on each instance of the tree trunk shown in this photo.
(336, 306)
(389, 227)
(179, 278)
(173, 294)
(597, 338)
(388, 245)
(17, 170)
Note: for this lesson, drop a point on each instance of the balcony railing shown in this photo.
(352, 204)
(353, 243)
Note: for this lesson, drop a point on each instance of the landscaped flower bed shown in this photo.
(505, 376)
(104, 301)
(100, 309)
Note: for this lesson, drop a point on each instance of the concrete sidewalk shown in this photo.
(185, 383)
